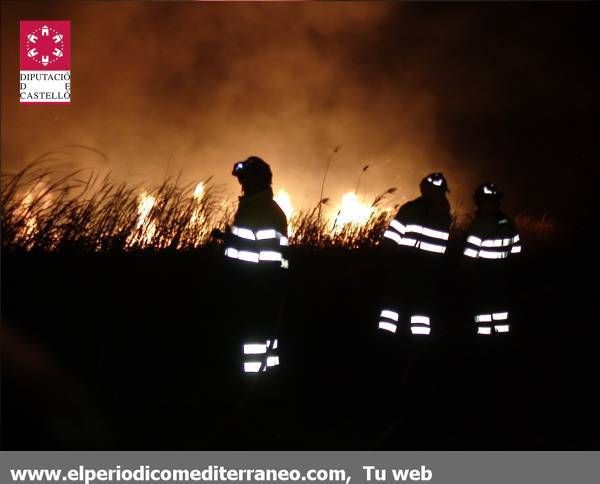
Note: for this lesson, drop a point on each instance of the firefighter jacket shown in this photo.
(259, 232)
(493, 237)
(422, 226)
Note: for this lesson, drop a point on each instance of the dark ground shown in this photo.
(134, 351)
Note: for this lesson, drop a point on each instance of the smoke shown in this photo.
(164, 87)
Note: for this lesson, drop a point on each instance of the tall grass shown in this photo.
(311, 229)
(44, 209)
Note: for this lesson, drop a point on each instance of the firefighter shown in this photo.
(492, 244)
(414, 244)
(256, 251)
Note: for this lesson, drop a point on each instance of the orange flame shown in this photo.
(145, 228)
(282, 198)
(352, 211)
(199, 191)
(25, 210)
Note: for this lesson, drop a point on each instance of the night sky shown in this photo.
(506, 92)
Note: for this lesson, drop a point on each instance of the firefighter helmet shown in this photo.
(436, 181)
(487, 191)
(253, 171)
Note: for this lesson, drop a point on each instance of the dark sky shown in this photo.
(500, 91)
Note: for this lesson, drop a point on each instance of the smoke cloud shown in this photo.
(407, 89)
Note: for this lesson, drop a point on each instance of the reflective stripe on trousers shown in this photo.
(388, 321)
(420, 324)
(492, 322)
(257, 357)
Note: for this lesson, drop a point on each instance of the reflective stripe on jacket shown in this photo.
(421, 225)
(259, 231)
(492, 236)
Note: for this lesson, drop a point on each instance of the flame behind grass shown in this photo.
(46, 210)
(43, 211)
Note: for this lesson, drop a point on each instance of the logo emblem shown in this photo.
(45, 58)
(45, 45)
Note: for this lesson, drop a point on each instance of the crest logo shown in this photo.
(45, 61)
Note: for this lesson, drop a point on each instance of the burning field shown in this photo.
(45, 208)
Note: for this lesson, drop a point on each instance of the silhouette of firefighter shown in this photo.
(414, 246)
(491, 247)
(256, 251)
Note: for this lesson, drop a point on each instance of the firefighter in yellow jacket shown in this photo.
(256, 250)
(492, 245)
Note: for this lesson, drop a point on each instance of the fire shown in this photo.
(30, 220)
(199, 191)
(144, 208)
(282, 198)
(30, 226)
(37, 199)
(158, 218)
(197, 218)
(352, 211)
(145, 228)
